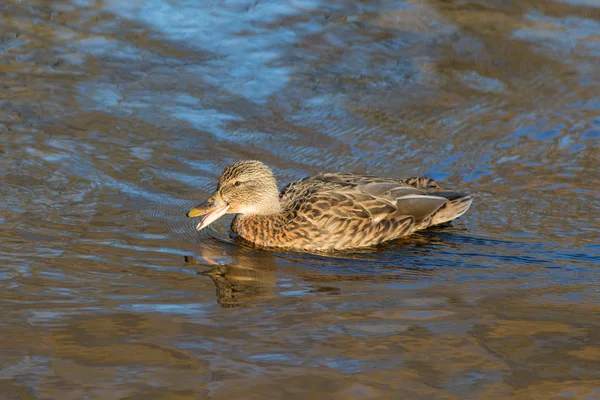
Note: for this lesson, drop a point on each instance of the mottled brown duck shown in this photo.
(328, 211)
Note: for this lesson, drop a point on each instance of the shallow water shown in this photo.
(118, 116)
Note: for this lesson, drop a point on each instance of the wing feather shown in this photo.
(345, 210)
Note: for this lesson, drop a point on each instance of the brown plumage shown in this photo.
(328, 211)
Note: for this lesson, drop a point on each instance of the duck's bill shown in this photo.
(210, 212)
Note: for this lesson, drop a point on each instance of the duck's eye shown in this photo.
(237, 183)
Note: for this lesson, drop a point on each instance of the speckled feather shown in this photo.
(332, 211)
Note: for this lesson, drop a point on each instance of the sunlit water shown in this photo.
(118, 116)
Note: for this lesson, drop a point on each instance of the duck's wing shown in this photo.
(353, 210)
(362, 196)
(418, 182)
(337, 179)
(421, 182)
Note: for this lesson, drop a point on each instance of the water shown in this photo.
(118, 116)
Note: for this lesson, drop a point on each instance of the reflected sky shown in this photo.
(244, 46)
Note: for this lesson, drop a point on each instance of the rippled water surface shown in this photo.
(117, 116)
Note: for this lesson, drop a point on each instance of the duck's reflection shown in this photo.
(242, 277)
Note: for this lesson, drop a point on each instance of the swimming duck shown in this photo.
(328, 211)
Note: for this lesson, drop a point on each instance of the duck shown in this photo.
(327, 211)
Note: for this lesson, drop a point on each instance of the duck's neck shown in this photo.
(261, 229)
(270, 206)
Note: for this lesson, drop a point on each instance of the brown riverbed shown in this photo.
(116, 117)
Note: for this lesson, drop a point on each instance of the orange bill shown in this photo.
(210, 211)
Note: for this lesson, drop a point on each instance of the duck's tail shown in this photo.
(457, 205)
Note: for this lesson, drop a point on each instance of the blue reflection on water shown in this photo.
(245, 50)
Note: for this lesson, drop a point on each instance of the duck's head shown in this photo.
(245, 187)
